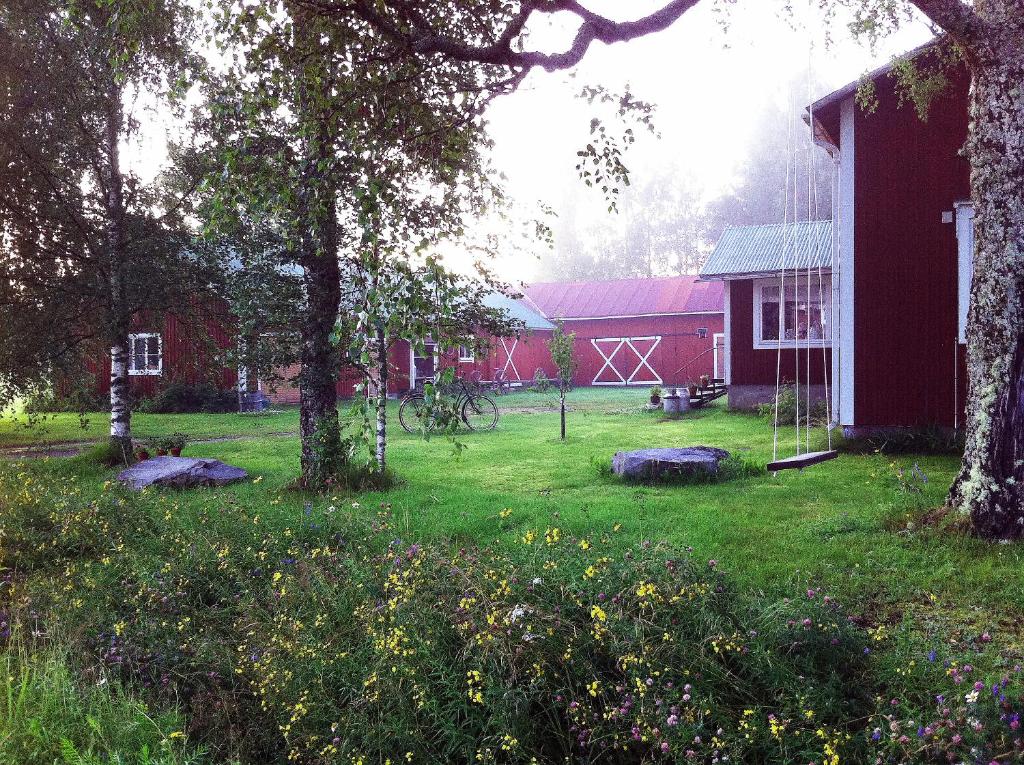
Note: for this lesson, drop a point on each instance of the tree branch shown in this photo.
(957, 19)
(413, 31)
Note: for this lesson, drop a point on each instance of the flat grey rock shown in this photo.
(180, 473)
(647, 464)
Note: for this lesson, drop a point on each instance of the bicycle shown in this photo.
(476, 410)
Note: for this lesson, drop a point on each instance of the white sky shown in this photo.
(708, 83)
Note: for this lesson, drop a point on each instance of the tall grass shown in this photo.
(47, 716)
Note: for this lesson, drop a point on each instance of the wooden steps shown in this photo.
(705, 395)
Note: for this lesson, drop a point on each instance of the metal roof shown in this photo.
(750, 250)
(518, 309)
(625, 297)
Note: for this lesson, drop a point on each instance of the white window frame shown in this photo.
(965, 264)
(826, 295)
(466, 353)
(147, 372)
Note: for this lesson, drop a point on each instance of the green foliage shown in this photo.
(326, 637)
(106, 454)
(788, 404)
(561, 345)
(907, 441)
(47, 715)
(185, 398)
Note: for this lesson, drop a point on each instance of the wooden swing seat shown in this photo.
(800, 461)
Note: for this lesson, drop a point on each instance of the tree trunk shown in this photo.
(561, 407)
(381, 391)
(990, 486)
(319, 429)
(119, 324)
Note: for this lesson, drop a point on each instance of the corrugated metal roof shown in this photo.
(746, 250)
(625, 297)
(518, 309)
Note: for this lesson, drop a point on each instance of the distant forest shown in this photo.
(664, 227)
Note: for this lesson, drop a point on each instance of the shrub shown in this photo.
(181, 398)
(787, 402)
(932, 440)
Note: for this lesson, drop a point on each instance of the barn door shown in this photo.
(627, 360)
(509, 371)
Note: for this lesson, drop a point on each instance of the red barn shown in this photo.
(902, 257)
(654, 331)
(513, 360)
(166, 348)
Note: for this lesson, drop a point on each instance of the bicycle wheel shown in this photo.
(480, 413)
(414, 414)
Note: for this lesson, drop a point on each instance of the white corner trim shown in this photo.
(847, 164)
(727, 326)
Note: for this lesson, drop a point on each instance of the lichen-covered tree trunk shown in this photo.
(319, 429)
(990, 486)
(119, 323)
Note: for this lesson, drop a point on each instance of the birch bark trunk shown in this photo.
(112, 183)
(381, 391)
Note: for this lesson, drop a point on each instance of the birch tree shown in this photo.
(990, 485)
(83, 242)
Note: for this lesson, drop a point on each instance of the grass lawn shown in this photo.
(841, 523)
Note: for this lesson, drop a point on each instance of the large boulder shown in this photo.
(180, 472)
(650, 464)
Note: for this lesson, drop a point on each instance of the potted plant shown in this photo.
(692, 388)
(141, 453)
(175, 443)
(656, 395)
(705, 381)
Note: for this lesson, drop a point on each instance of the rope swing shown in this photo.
(803, 456)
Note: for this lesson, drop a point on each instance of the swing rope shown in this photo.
(811, 246)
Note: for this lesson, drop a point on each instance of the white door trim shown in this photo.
(643, 360)
(509, 361)
(719, 354)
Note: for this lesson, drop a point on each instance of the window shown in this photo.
(702, 332)
(466, 353)
(145, 354)
(806, 319)
(965, 262)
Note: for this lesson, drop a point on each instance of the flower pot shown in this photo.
(141, 455)
(161, 452)
(655, 400)
(176, 451)
(704, 381)
(692, 391)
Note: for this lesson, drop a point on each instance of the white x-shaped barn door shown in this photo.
(509, 360)
(642, 360)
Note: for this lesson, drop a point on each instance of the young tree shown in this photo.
(990, 486)
(561, 347)
(84, 243)
(362, 157)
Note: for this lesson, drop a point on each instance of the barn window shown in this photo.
(145, 354)
(702, 332)
(465, 353)
(804, 317)
(965, 262)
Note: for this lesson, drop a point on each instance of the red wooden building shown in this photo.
(769, 339)
(655, 331)
(902, 251)
(512, 360)
(167, 348)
